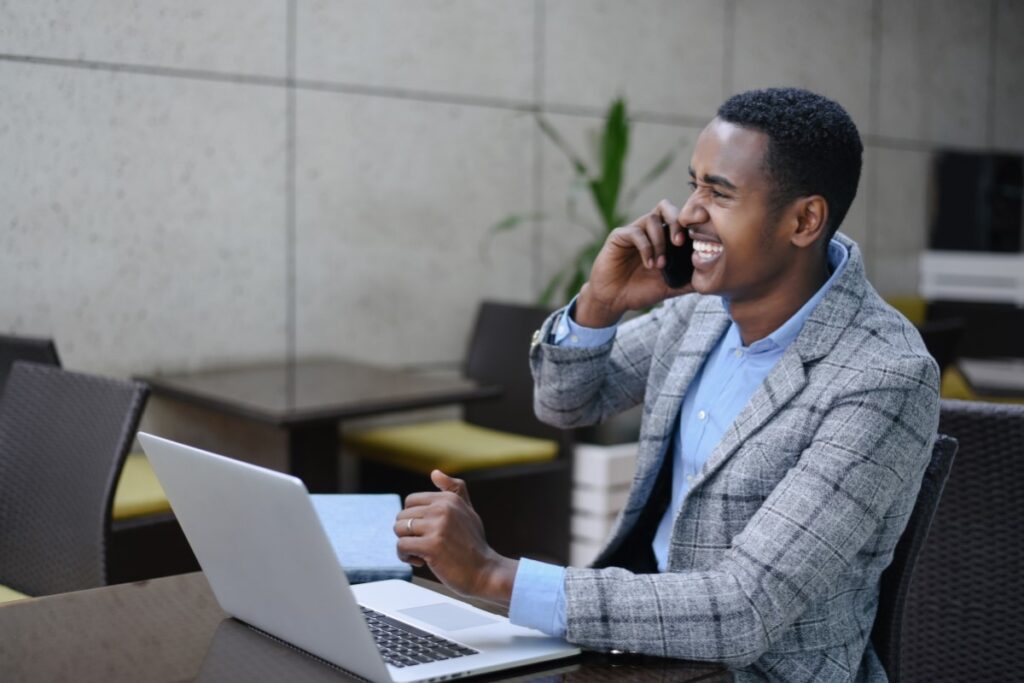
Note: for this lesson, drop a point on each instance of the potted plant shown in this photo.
(602, 181)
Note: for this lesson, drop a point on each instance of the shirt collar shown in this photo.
(838, 256)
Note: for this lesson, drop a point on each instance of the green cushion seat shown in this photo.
(138, 491)
(10, 595)
(450, 445)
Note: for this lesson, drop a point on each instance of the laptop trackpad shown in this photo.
(447, 616)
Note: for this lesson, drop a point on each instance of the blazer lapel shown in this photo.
(706, 326)
(709, 320)
(784, 382)
(820, 333)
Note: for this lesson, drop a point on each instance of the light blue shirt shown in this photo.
(723, 386)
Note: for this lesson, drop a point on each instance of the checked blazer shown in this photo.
(776, 553)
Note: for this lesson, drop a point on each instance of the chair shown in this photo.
(31, 349)
(146, 540)
(517, 468)
(63, 439)
(963, 611)
(887, 634)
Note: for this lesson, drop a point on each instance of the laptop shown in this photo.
(271, 565)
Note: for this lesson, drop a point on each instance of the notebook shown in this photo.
(270, 563)
(359, 527)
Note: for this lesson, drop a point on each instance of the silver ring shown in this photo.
(408, 525)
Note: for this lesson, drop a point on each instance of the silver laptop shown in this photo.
(270, 563)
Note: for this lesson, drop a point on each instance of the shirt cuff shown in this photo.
(538, 597)
(568, 333)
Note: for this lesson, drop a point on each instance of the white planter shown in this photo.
(601, 479)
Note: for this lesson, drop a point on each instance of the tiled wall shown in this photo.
(186, 184)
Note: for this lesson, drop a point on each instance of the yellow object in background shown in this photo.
(450, 445)
(955, 385)
(10, 595)
(913, 307)
(138, 490)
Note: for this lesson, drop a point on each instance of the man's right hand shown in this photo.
(626, 275)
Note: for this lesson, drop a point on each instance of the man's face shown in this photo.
(741, 250)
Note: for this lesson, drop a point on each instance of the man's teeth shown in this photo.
(707, 249)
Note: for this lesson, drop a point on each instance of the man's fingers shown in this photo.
(669, 213)
(635, 236)
(420, 499)
(414, 546)
(450, 484)
(413, 560)
(656, 235)
(410, 526)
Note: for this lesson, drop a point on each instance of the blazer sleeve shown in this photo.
(575, 387)
(871, 447)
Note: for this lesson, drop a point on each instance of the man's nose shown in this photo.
(693, 212)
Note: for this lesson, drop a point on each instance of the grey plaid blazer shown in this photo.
(776, 553)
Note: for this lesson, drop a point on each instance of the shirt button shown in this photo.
(702, 415)
(574, 338)
(690, 478)
(738, 353)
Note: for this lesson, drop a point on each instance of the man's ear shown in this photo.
(811, 219)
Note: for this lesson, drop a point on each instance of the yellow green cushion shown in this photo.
(138, 491)
(9, 594)
(913, 307)
(955, 385)
(449, 445)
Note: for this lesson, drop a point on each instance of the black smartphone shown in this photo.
(678, 269)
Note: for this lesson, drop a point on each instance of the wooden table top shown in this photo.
(172, 629)
(314, 390)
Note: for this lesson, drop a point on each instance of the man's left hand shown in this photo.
(442, 530)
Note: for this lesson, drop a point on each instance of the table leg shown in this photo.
(313, 455)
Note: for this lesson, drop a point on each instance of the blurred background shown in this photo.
(189, 184)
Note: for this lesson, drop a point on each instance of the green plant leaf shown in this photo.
(549, 290)
(594, 137)
(560, 143)
(504, 225)
(579, 270)
(514, 221)
(609, 147)
(654, 173)
(614, 147)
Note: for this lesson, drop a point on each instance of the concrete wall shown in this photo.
(186, 184)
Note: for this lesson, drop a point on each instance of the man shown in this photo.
(789, 414)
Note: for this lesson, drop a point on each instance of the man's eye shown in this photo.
(693, 186)
(718, 195)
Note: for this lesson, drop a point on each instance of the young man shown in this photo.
(789, 414)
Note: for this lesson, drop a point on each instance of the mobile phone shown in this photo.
(678, 268)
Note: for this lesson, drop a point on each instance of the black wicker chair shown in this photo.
(887, 635)
(142, 546)
(964, 608)
(32, 349)
(63, 439)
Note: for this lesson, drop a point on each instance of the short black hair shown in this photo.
(813, 145)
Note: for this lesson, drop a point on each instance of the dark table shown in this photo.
(172, 629)
(309, 398)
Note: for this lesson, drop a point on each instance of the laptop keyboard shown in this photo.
(403, 645)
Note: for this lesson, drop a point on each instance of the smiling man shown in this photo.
(789, 414)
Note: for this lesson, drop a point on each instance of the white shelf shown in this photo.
(972, 276)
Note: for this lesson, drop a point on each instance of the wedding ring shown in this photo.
(408, 525)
